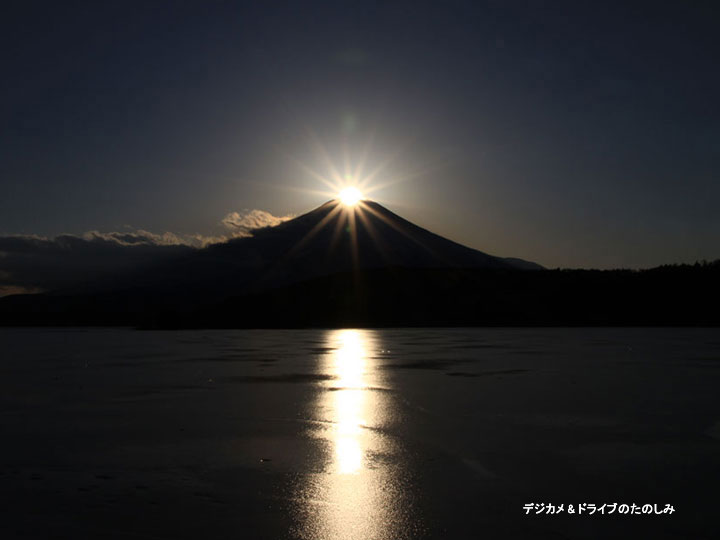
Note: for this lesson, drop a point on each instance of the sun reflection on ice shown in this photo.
(349, 455)
(361, 490)
(350, 360)
(349, 401)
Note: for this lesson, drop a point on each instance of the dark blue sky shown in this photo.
(582, 134)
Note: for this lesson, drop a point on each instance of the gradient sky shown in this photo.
(580, 134)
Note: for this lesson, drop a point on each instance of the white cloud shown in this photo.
(135, 237)
(243, 223)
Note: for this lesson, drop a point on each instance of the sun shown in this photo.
(350, 196)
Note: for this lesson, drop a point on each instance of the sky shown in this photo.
(573, 134)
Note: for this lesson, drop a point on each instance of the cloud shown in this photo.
(135, 238)
(242, 224)
(141, 237)
(7, 290)
(32, 263)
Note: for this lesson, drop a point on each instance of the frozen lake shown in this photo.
(358, 434)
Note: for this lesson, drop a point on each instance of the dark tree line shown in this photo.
(682, 295)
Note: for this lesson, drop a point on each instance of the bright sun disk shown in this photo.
(350, 196)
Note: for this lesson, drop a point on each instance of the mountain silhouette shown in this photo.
(334, 238)
(331, 239)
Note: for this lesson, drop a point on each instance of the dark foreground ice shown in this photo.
(358, 434)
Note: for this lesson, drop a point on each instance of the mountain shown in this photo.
(335, 238)
(331, 239)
